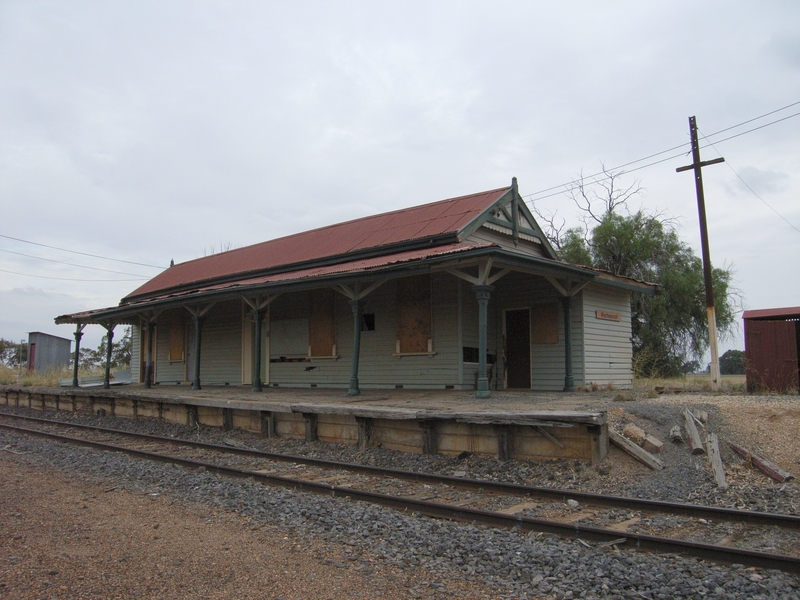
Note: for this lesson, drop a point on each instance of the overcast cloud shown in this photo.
(150, 131)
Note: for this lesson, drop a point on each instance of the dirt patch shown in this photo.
(61, 539)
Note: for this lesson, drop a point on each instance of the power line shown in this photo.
(772, 112)
(605, 173)
(67, 278)
(753, 129)
(752, 190)
(8, 237)
(61, 262)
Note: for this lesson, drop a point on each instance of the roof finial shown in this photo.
(514, 183)
(171, 262)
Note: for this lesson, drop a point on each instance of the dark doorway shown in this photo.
(143, 354)
(518, 348)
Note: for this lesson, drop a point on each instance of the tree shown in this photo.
(120, 353)
(13, 354)
(669, 329)
(732, 363)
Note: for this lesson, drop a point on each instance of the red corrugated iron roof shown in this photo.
(350, 267)
(419, 222)
(792, 312)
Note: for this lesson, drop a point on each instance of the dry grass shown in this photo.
(50, 377)
(730, 384)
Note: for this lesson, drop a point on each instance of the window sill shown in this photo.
(298, 358)
(402, 354)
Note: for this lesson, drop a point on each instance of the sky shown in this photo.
(156, 131)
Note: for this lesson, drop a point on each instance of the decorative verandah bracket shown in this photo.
(198, 312)
(356, 296)
(567, 288)
(259, 305)
(484, 277)
(78, 335)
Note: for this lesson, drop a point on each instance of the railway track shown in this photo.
(693, 530)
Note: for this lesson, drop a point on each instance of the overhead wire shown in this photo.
(749, 188)
(61, 262)
(130, 262)
(607, 173)
(67, 278)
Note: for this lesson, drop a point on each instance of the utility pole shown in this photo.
(697, 165)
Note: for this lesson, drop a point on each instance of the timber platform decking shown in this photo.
(509, 425)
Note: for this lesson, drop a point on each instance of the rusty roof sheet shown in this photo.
(415, 223)
(350, 267)
(792, 312)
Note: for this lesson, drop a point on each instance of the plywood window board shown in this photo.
(322, 323)
(414, 322)
(545, 323)
(177, 340)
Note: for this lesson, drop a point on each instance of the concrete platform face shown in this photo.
(511, 424)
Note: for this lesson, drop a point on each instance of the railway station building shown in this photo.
(463, 294)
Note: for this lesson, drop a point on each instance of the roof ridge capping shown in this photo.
(343, 223)
(431, 221)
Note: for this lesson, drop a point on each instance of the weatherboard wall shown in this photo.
(221, 347)
(608, 355)
(379, 364)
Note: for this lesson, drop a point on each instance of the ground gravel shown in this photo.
(375, 552)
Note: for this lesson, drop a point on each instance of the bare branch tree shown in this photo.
(223, 247)
(602, 194)
(553, 226)
(595, 197)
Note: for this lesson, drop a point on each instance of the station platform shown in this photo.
(511, 424)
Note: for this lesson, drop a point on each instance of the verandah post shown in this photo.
(483, 293)
(258, 316)
(148, 365)
(109, 344)
(569, 381)
(356, 306)
(197, 321)
(78, 336)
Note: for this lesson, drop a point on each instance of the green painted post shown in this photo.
(356, 306)
(109, 343)
(78, 336)
(257, 318)
(148, 365)
(483, 293)
(569, 381)
(197, 325)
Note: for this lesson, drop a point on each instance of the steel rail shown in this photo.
(637, 541)
(660, 506)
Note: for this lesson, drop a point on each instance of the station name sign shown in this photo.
(608, 316)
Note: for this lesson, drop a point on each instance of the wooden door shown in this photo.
(143, 341)
(518, 348)
(771, 349)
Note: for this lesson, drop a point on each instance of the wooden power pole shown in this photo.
(697, 165)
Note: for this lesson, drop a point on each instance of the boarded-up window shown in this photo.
(322, 323)
(177, 340)
(414, 314)
(545, 324)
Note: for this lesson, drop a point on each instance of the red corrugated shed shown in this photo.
(772, 347)
(792, 312)
(416, 223)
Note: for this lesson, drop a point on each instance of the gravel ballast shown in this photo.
(505, 563)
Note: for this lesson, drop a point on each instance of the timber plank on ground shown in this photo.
(638, 453)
